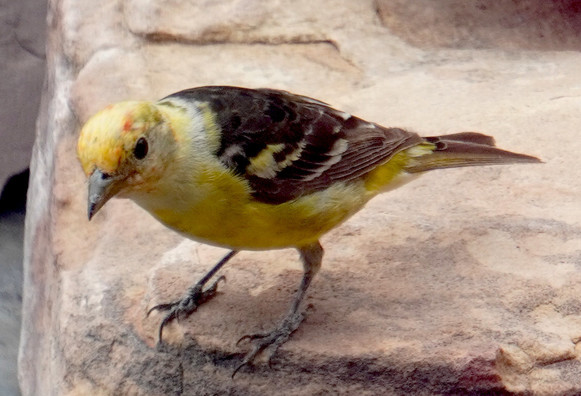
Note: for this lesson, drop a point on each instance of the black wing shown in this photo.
(288, 145)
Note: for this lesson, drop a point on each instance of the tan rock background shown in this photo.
(463, 282)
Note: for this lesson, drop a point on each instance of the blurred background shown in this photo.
(22, 69)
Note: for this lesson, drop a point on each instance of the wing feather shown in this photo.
(311, 144)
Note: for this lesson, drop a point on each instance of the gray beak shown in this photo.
(101, 188)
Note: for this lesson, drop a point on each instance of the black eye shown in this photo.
(141, 147)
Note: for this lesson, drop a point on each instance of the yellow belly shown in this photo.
(244, 224)
(217, 208)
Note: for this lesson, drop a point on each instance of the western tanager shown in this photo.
(257, 169)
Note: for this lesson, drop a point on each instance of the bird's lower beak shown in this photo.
(102, 187)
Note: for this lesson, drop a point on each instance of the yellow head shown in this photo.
(122, 149)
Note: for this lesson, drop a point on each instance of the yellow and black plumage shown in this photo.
(257, 169)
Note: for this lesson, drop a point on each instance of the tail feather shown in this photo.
(464, 137)
(464, 149)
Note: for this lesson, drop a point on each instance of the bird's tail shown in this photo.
(463, 149)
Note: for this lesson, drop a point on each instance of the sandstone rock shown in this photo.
(547, 25)
(465, 281)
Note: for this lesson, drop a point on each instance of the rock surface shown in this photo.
(465, 281)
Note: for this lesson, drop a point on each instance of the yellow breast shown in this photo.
(216, 207)
(229, 217)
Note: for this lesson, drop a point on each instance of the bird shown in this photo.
(257, 169)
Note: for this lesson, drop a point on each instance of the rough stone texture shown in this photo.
(465, 281)
(502, 24)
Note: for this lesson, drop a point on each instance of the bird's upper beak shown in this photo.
(102, 187)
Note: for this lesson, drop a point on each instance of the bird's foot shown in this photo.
(271, 340)
(183, 308)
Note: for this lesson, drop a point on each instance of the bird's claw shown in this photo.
(271, 340)
(195, 297)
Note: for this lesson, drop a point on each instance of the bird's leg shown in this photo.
(311, 256)
(195, 296)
